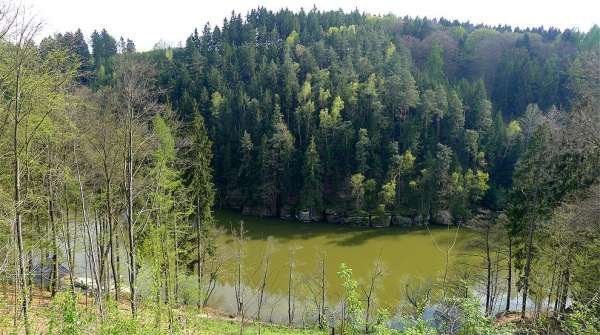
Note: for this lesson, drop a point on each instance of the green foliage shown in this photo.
(420, 327)
(118, 324)
(354, 83)
(357, 188)
(294, 110)
(66, 318)
(311, 191)
(473, 322)
(352, 303)
(362, 151)
(435, 64)
(584, 320)
(200, 173)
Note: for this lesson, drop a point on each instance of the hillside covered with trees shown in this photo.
(279, 113)
(351, 112)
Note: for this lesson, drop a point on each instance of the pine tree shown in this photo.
(456, 117)
(247, 170)
(311, 190)
(434, 66)
(278, 155)
(202, 191)
(362, 151)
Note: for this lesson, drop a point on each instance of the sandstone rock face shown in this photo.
(401, 221)
(315, 216)
(257, 211)
(332, 217)
(285, 213)
(443, 218)
(381, 221)
(420, 220)
(303, 215)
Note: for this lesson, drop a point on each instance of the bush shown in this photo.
(65, 318)
(585, 319)
(473, 322)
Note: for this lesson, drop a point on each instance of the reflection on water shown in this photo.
(407, 255)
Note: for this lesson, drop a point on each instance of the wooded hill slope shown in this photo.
(352, 112)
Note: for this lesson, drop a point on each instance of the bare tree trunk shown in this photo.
(551, 288)
(565, 288)
(509, 279)
(199, 250)
(85, 267)
(291, 298)
(527, 268)
(17, 205)
(322, 309)
(176, 279)
(130, 223)
(93, 263)
(488, 269)
(16, 276)
(263, 285)
(70, 247)
(55, 275)
(166, 277)
(495, 286)
(239, 289)
(42, 251)
(242, 318)
(111, 236)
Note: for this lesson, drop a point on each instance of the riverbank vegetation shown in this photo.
(113, 161)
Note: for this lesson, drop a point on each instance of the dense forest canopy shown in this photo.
(328, 114)
(352, 112)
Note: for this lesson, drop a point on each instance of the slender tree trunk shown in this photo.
(199, 250)
(111, 236)
(90, 248)
(527, 268)
(15, 287)
(322, 311)
(42, 251)
(85, 268)
(263, 285)
(166, 277)
(558, 291)
(551, 288)
(565, 287)
(130, 223)
(489, 270)
(70, 247)
(291, 298)
(509, 278)
(55, 275)
(239, 290)
(17, 205)
(495, 276)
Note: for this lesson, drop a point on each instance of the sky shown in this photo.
(148, 21)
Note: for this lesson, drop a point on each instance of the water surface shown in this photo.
(407, 254)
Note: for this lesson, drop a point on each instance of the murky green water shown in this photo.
(407, 254)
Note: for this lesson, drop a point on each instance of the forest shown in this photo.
(120, 158)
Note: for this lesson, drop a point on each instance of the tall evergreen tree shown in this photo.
(311, 189)
(201, 188)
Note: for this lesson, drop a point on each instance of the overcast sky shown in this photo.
(148, 21)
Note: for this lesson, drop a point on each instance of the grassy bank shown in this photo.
(65, 315)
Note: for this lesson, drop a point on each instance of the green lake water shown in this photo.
(407, 254)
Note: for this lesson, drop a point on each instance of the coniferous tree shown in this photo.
(200, 184)
(311, 190)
